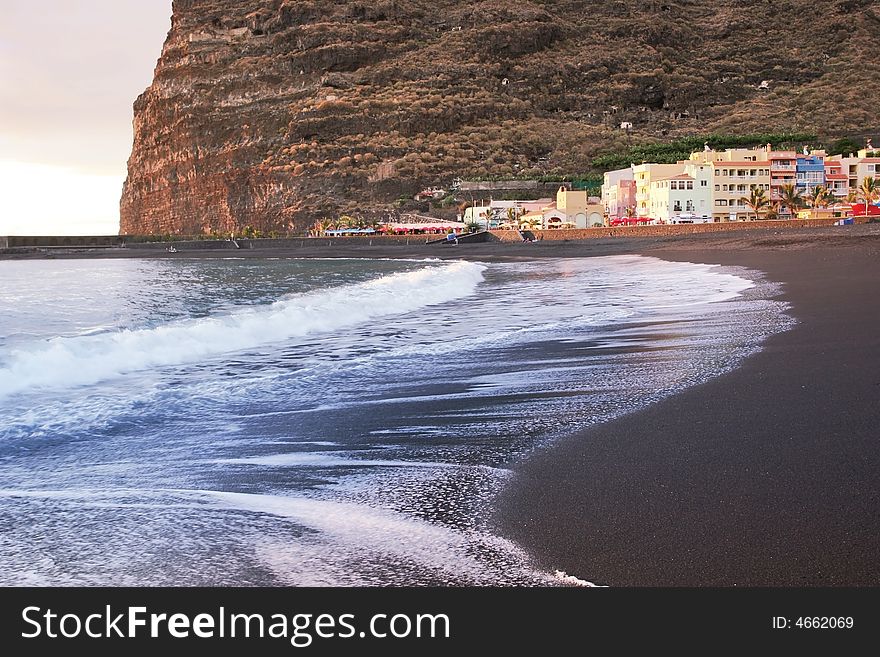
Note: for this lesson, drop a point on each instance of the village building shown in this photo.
(836, 180)
(858, 166)
(683, 198)
(810, 170)
(619, 193)
(578, 209)
(734, 172)
(644, 175)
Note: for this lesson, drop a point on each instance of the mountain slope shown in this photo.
(271, 113)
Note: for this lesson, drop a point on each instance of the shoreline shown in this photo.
(764, 476)
(781, 238)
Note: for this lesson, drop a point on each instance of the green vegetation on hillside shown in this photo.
(681, 149)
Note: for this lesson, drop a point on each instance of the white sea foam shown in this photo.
(67, 362)
(327, 460)
(356, 532)
(565, 579)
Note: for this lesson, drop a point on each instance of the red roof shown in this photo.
(836, 176)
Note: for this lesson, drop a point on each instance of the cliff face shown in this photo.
(270, 113)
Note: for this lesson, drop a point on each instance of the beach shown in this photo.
(767, 476)
(763, 476)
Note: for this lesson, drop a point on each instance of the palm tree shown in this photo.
(530, 223)
(370, 222)
(790, 197)
(869, 192)
(757, 201)
(819, 197)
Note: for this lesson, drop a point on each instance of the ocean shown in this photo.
(219, 422)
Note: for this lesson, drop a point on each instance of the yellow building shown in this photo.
(571, 202)
(857, 166)
(822, 213)
(734, 172)
(578, 209)
(732, 184)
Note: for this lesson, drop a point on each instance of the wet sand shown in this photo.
(767, 476)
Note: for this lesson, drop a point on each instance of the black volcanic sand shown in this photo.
(767, 476)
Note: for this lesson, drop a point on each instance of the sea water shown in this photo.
(323, 422)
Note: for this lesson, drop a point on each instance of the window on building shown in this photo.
(718, 188)
(677, 207)
(690, 184)
(689, 206)
(704, 183)
(721, 201)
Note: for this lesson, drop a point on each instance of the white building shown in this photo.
(645, 175)
(683, 198)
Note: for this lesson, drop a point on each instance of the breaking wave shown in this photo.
(85, 360)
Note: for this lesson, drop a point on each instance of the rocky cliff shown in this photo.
(271, 113)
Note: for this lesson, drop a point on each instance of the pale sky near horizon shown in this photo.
(70, 71)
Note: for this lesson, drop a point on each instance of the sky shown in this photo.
(70, 71)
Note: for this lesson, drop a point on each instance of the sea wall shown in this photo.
(286, 243)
